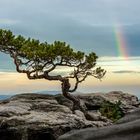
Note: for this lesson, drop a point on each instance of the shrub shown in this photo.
(112, 111)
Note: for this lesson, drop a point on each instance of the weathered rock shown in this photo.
(35, 116)
(94, 101)
(40, 117)
(131, 116)
(129, 102)
(127, 129)
(63, 101)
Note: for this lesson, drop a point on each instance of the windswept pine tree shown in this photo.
(38, 60)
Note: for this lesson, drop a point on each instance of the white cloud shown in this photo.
(13, 82)
(118, 58)
(120, 64)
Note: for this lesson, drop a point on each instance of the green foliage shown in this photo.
(35, 50)
(112, 111)
(6, 37)
(34, 57)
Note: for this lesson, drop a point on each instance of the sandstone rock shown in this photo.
(41, 117)
(95, 100)
(131, 116)
(127, 129)
(30, 114)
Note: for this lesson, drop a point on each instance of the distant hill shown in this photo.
(52, 92)
(2, 97)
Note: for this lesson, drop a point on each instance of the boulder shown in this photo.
(39, 117)
(128, 128)
(94, 101)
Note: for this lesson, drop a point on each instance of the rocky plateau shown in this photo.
(47, 117)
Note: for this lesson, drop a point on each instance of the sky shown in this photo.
(111, 28)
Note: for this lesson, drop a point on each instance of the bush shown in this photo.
(112, 111)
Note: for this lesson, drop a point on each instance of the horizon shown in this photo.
(109, 28)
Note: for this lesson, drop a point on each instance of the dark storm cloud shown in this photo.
(86, 25)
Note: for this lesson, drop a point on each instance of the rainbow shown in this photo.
(120, 42)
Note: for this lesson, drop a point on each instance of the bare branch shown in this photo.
(38, 60)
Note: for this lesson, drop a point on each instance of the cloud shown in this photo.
(120, 64)
(126, 72)
(118, 58)
(89, 13)
(13, 82)
(64, 71)
(86, 25)
(8, 21)
(123, 62)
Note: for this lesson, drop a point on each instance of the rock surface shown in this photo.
(41, 117)
(129, 102)
(94, 101)
(128, 128)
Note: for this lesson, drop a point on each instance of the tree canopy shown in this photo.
(38, 59)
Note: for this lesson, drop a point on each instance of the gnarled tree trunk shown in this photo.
(76, 101)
